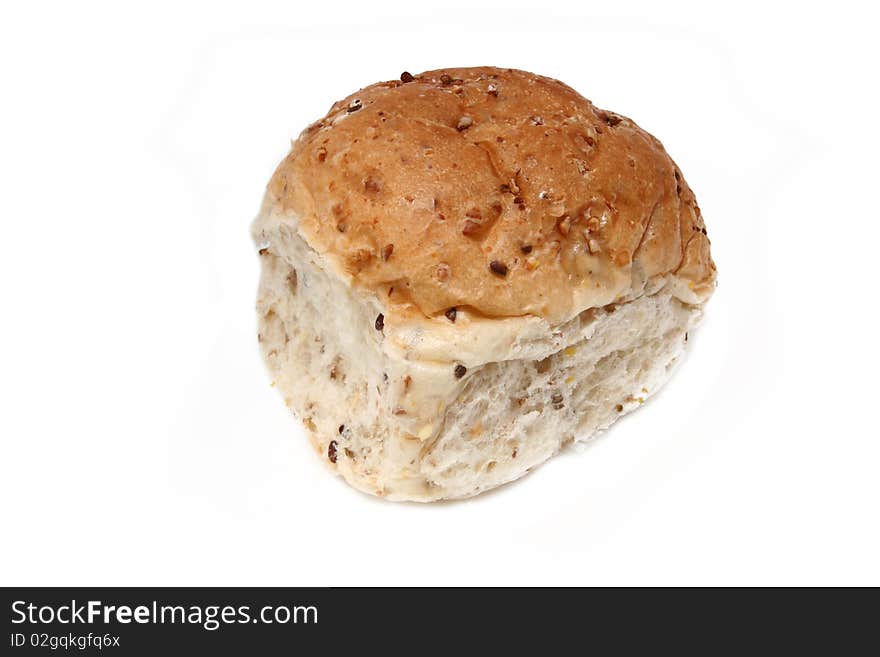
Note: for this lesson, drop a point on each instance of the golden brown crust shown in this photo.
(493, 189)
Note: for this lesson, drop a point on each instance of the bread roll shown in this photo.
(466, 270)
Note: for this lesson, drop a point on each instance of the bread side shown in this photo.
(387, 408)
(514, 415)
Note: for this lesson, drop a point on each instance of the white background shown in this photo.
(141, 442)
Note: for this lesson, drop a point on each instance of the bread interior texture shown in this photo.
(407, 428)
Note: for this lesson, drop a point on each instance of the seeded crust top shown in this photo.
(493, 190)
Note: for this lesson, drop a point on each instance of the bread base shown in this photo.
(506, 417)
